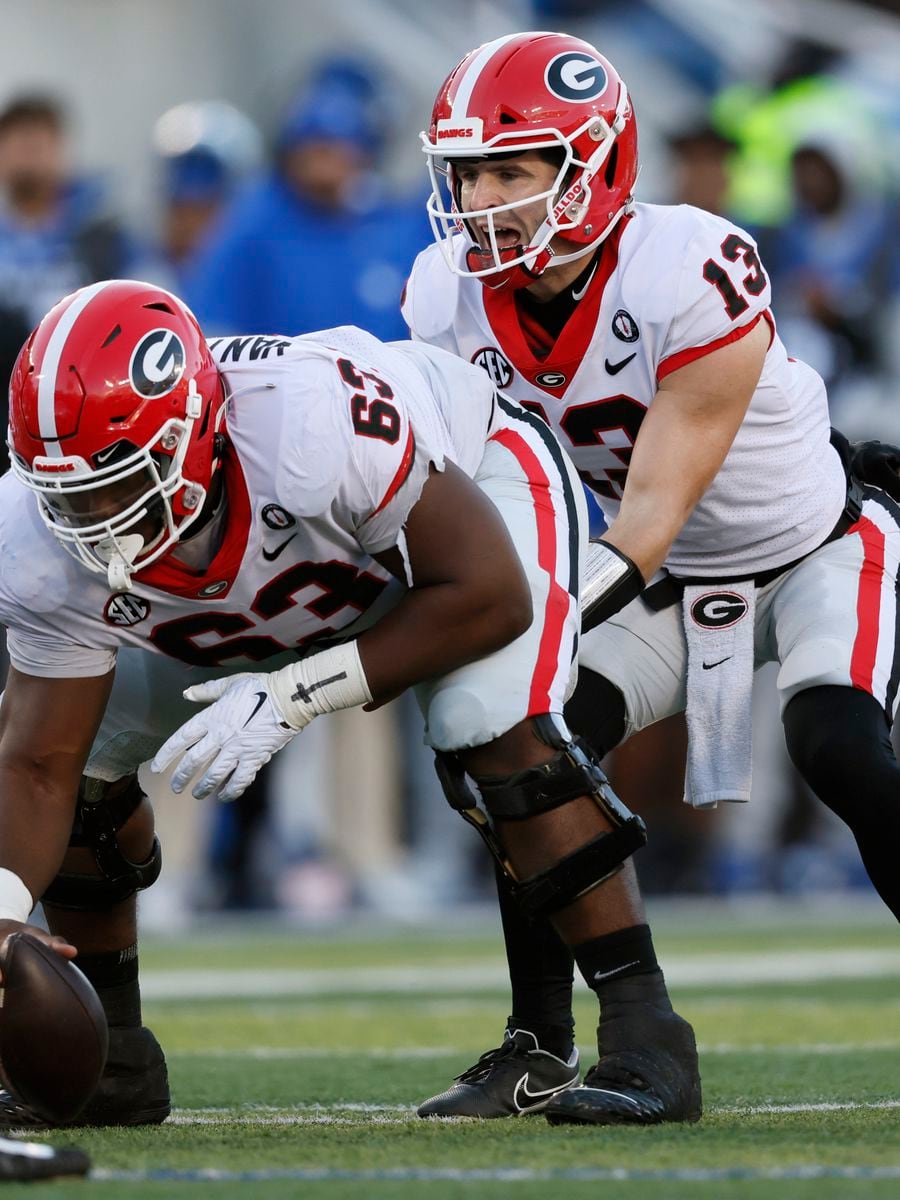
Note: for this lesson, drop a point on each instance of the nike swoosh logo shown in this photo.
(609, 1092)
(102, 455)
(531, 1097)
(615, 368)
(709, 666)
(259, 703)
(271, 555)
(577, 295)
(615, 971)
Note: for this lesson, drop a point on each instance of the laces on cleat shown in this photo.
(490, 1058)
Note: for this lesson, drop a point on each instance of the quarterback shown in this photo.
(333, 519)
(737, 534)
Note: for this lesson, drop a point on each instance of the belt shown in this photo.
(668, 590)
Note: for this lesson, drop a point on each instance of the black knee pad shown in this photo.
(839, 740)
(572, 772)
(98, 818)
(596, 711)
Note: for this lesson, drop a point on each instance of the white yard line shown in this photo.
(314, 1052)
(500, 1175)
(287, 1053)
(403, 1114)
(722, 970)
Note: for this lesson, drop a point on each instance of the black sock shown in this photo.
(114, 975)
(614, 956)
(555, 1039)
(540, 972)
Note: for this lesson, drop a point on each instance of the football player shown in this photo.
(643, 335)
(334, 519)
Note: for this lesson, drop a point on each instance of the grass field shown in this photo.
(296, 1060)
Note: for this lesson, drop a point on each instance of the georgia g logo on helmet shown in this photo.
(576, 77)
(157, 363)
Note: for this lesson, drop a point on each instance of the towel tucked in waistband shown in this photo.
(719, 627)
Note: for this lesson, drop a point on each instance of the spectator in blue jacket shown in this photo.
(832, 258)
(206, 150)
(317, 242)
(56, 233)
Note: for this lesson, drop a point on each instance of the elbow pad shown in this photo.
(611, 580)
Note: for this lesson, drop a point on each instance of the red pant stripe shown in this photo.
(557, 607)
(868, 604)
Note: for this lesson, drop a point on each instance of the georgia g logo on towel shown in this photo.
(718, 610)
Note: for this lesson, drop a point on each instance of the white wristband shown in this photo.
(322, 683)
(16, 902)
(603, 569)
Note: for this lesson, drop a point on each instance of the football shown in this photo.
(53, 1033)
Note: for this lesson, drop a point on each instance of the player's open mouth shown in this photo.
(506, 236)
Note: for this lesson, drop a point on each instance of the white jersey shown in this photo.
(673, 284)
(331, 441)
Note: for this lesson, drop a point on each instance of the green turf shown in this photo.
(290, 1063)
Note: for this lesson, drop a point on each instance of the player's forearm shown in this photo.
(676, 458)
(683, 442)
(36, 815)
(437, 629)
(646, 528)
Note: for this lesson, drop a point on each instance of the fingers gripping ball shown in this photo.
(53, 1033)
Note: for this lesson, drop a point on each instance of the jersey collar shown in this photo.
(171, 575)
(536, 355)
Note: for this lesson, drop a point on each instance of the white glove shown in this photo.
(239, 732)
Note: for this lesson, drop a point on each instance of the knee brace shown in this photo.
(573, 771)
(98, 818)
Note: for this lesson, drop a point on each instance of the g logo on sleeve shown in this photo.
(576, 76)
(157, 363)
(718, 610)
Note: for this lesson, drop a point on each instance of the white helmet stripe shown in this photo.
(50, 366)
(466, 85)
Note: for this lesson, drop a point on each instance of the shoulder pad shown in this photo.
(316, 433)
(431, 296)
(38, 575)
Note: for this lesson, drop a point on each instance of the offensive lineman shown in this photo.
(373, 517)
(642, 334)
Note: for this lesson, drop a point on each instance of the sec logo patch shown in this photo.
(125, 609)
(497, 366)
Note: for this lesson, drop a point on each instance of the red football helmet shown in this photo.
(114, 405)
(531, 91)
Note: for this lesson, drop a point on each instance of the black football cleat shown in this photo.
(513, 1079)
(647, 1073)
(25, 1161)
(133, 1089)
